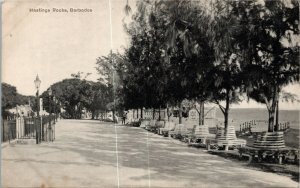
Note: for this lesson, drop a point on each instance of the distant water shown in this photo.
(238, 116)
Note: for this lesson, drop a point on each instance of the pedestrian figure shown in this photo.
(124, 118)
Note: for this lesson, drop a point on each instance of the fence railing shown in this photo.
(256, 125)
(8, 130)
(39, 128)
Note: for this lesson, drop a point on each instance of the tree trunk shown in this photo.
(93, 114)
(272, 110)
(180, 113)
(226, 110)
(113, 113)
(271, 121)
(153, 113)
(137, 113)
(201, 113)
(226, 113)
(75, 114)
(168, 112)
(276, 128)
(142, 113)
(159, 114)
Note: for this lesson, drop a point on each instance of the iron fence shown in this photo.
(39, 128)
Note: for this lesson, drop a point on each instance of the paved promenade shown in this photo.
(86, 154)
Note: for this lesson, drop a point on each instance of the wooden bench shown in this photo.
(185, 133)
(180, 132)
(269, 146)
(176, 130)
(269, 140)
(134, 122)
(151, 125)
(158, 125)
(144, 123)
(269, 155)
(169, 126)
(200, 134)
(225, 138)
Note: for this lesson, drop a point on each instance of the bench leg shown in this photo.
(280, 159)
(240, 155)
(296, 159)
(250, 159)
(259, 158)
(226, 147)
(208, 146)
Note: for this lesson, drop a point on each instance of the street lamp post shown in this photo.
(54, 108)
(55, 115)
(37, 83)
(49, 129)
(54, 105)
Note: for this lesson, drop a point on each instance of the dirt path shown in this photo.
(86, 154)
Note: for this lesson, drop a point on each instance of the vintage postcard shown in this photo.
(150, 93)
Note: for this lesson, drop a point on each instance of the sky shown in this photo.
(56, 44)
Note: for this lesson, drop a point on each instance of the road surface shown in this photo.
(90, 153)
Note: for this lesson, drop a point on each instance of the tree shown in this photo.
(227, 86)
(97, 99)
(189, 50)
(67, 92)
(239, 47)
(76, 94)
(204, 48)
(180, 54)
(111, 69)
(228, 58)
(11, 98)
(145, 79)
(270, 28)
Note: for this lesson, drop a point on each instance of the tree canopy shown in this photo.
(11, 98)
(76, 94)
(211, 52)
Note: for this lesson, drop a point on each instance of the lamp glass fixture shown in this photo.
(37, 82)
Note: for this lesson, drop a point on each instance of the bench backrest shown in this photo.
(178, 128)
(135, 120)
(271, 140)
(152, 123)
(184, 130)
(169, 125)
(172, 126)
(201, 130)
(160, 124)
(144, 123)
(227, 134)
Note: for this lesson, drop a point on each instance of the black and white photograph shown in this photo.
(150, 94)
